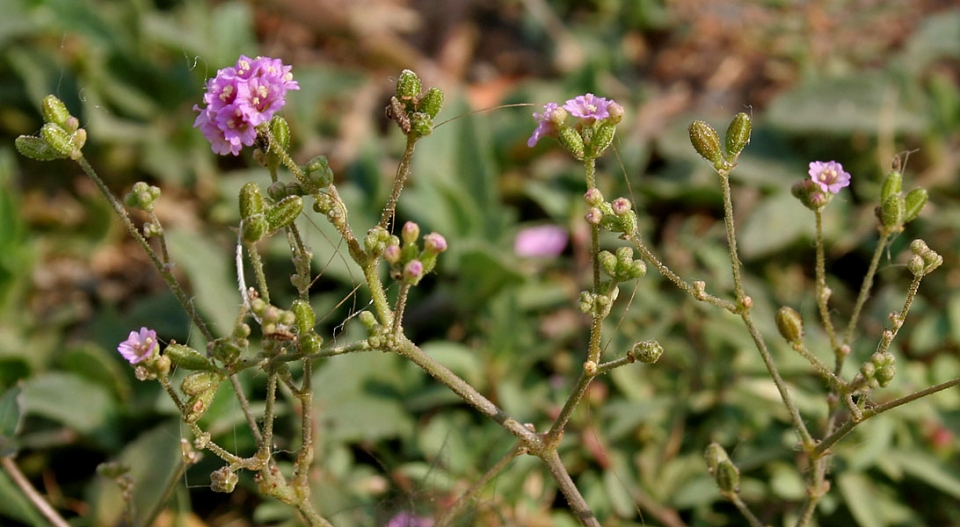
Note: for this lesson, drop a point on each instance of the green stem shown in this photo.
(403, 172)
(735, 263)
(257, 265)
(822, 294)
(865, 289)
(569, 489)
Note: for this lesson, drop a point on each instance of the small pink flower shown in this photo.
(543, 241)
(829, 176)
(139, 346)
(588, 106)
(547, 123)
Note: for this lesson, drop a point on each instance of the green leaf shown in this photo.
(777, 222)
(927, 469)
(68, 399)
(15, 506)
(11, 418)
(211, 271)
(860, 497)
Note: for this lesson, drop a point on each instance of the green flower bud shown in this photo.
(602, 138)
(281, 132)
(142, 196)
(251, 201)
(54, 111)
(227, 351)
(319, 174)
(284, 213)
(188, 358)
(199, 382)
(410, 233)
(706, 142)
(724, 472)
(408, 86)
(891, 212)
(368, 319)
(421, 124)
(919, 247)
(790, 325)
(914, 202)
(198, 405)
(891, 185)
(223, 480)
(310, 343)
(431, 102)
(58, 139)
(608, 262)
(571, 141)
(36, 148)
(254, 229)
(305, 316)
(738, 135)
(647, 351)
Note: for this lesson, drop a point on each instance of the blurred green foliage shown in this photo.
(71, 286)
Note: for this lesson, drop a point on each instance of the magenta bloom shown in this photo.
(829, 176)
(407, 519)
(139, 346)
(546, 123)
(239, 99)
(543, 241)
(588, 106)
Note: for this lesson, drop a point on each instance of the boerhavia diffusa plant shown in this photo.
(241, 109)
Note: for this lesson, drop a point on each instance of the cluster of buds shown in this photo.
(60, 137)
(924, 259)
(878, 371)
(724, 472)
(646, 351)
(706, 141)
(274, 322)
(228, 349)
(408, 261)
(260, 218)
(378, 336)
(596, 125)
(413, 109)
(599, 304)
(223, 480)
(621, 267)
(615, 216)
(896, 210)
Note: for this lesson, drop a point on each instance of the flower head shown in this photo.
(547, 122)
(542, 241)
(239, 99)
(829, 176)
(139, 346)
(588, 106)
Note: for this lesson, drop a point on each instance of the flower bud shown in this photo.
(408, 86)
(305, 316)
(368, 319)
(199, 382)
(602, 138)
(251, 201)
(891, 212)
(36, 148)
(571, 141)
(726, 474)
(284, 213)
(142, 196)
(227, 351)
(421, 124)
(621, 206)
(434, 243)
(706, 142)
(891, 185)
(392, 254)
(790, 325)
(616, 113)
(738, 135)
(58, 139)
(410, 233)
(413, 272)
(913, 204)
(223, 480)
(319, 174)
(310, 343)
(188, 358)
(280, 131)
(608, 262)
(254, 229)
(54, 111)
(431, 102)
(593, 216)
(647, 351)
(198, 405)
(593, 197)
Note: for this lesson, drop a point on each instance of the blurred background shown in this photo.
(856, 81)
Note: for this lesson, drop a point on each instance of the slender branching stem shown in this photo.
(31, 493)
(865, 290)
(823, 295)
(257, 263)
(569, 489)
(398, 311)
(560, 423)
(728, 222)
(403, 172)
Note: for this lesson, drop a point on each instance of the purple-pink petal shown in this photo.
(588, 106)
(139, 346)
(546, 124)
(408, 519)
(829, 176)
(543, 241)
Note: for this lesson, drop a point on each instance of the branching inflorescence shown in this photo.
(240, 110)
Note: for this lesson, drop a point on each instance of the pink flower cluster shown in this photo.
(587, 107)
(239, 99)
(139, 346)
(829, 176)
